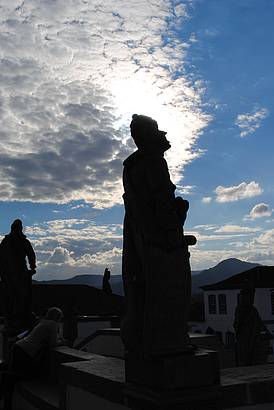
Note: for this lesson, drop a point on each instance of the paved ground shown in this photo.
(249, 374)
(268, 406)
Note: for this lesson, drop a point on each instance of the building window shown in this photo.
(272, 301)
(222, 304)
(212, 306)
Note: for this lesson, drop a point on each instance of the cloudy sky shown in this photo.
(72, 72)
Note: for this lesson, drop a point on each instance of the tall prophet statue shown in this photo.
(15, 275)
(156, 270)
(252, 336)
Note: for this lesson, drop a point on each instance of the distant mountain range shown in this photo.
(91, 280)
(221, 271)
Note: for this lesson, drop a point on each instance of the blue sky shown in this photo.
(73, 73)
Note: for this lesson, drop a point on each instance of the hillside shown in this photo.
(86, 300)
(221, 271)
(91, 280)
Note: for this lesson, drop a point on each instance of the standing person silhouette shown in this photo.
(14, 249)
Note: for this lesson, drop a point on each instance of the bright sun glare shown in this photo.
(141, 95)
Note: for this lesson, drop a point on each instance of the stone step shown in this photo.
(37, 394)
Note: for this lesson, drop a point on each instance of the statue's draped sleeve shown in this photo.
(30, 255)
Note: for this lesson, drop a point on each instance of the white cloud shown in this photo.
(266, 238)
(250, 122)
(206, 227)
(217, 237)
(217, 243)
(61, 265)
(258, 249)
(204, 258)
(237, 192)
(261, 248)
(69, 247)
(259, 211)
(79, 236)
(60, 256)
(206, 199)
(65, 248)
(71, 75)
(185, 189)
(237, 229)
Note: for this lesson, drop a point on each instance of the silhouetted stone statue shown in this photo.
(252, 336)
(156, 270)
(106, 285)
(70, 324)
(17, 279)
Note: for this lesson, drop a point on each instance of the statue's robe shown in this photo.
(248, 326)
(14, 249)
(156, 270)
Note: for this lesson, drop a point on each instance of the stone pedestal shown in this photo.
(203, 398)
(8, 338)
(185, 382)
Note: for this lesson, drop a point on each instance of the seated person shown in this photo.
(30, 352)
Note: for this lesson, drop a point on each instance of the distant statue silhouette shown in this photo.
(156, 270)
(14, 249)
(252, 336)
(70, 324)
(106, 285)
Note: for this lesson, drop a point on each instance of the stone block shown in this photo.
(184, 371)
(200, 398)
(262, 391)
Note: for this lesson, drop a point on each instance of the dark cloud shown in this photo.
(259, 211)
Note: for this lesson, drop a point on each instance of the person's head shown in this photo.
(16, 226)
(247, 295)
(146, 135)
(55, 314)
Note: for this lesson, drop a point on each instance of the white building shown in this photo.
(221, 299)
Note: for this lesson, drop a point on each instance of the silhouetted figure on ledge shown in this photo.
(156, 270)
(106, 285)
(252, 336)
(17, 278)
(70, 324)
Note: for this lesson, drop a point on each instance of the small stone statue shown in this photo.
(156, 270)
(106, 285)
(14, 249)
(252, 336)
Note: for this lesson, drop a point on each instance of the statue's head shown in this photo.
(247, 294)
(146, 134)
(16, 226)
